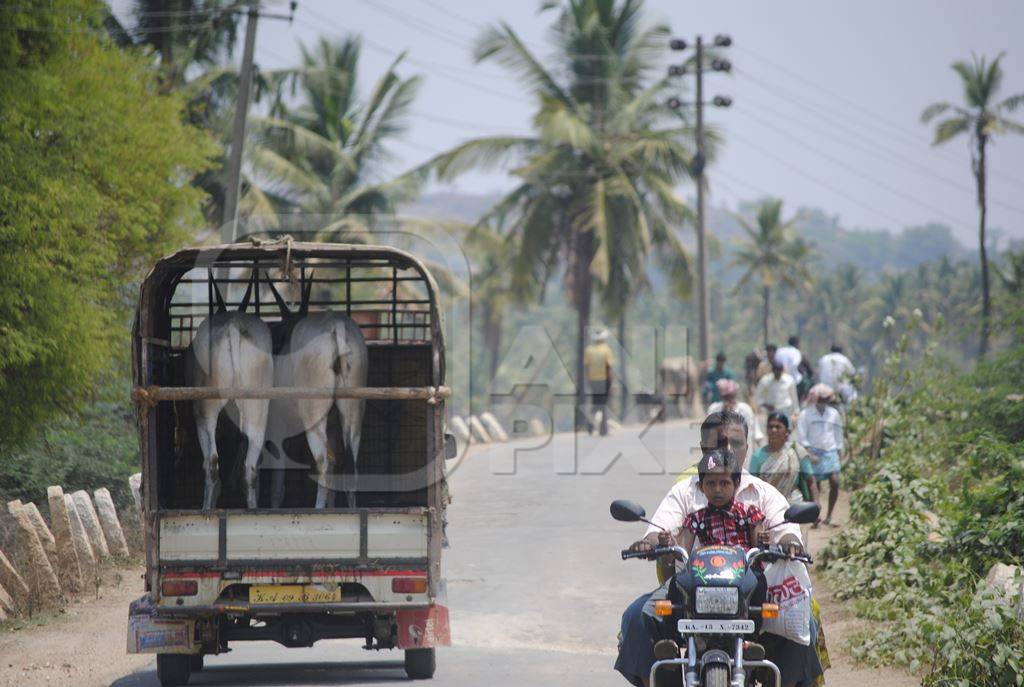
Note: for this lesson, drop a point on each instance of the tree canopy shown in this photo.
(94, 167)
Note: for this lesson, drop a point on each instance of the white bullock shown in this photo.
(231, 350)
(324, 349)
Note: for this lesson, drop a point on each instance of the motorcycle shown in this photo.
(711, 600)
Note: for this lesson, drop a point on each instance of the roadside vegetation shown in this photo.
(938, 460)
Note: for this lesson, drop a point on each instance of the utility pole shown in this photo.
(699, 159)
(229, 228)
(702, 253)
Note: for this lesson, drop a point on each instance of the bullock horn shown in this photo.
(307, 290)
(221, 307)
(248, 293)
(277, 297)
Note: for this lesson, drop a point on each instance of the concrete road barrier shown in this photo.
(478, 430)
(69, 570)
(45, 591)
(91, 521)
(109, 523)
(7, 606)
(86, 558)
(460, 429)
(42, 531)
(493, 427)
(14, 584)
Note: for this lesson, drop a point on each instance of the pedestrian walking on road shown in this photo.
(729, 390)
(598, 359)
(796, 365)
(777, 391)
(836, 371)
(780, 464)
(719, 371)
(820, 431)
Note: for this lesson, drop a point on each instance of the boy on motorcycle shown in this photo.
(641, 628)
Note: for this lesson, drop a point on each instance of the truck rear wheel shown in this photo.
(196, 662)
(420, 663)
(173, 669)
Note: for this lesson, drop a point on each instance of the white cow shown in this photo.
(231, 350)
(324, 349)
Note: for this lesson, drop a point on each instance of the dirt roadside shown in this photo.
(82, 645)
(841, 625)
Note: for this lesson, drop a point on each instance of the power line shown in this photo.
(419, 24)
(849, 169)
(818, 181)
(442, 70)
(906, 132)
(439, 119)
(882, 149)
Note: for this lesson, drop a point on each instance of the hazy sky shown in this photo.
(827, 95)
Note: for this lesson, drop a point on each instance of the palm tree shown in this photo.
(982, 118)
(596, 182)
(324, 157)
(773, 254)
(183, 34)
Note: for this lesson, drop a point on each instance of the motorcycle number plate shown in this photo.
(716, 627)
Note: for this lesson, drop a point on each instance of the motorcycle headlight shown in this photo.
(718, 600)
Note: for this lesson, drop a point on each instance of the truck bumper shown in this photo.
(160, 629)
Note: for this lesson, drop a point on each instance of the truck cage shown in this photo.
(392, 297)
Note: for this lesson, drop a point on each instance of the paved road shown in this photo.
(535, 583)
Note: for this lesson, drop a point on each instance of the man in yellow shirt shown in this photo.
(598, 360)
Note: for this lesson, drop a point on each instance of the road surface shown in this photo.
(535, 582)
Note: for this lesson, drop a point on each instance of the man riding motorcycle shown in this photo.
(642, 628)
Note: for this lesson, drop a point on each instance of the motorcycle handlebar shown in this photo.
(655, 552)
(775, 553)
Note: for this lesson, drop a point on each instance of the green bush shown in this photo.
(97, 446)
(941, 504)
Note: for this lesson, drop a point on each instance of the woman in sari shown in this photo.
(780, 465)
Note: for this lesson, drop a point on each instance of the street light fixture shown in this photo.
(721, 65)
(722, 41)
(678, 44)
(721, 101)
(677, 70)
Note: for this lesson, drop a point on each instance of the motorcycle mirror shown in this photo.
(627, 511)
(802, 513)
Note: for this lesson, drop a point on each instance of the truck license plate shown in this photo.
(716, 627)
(294, 593)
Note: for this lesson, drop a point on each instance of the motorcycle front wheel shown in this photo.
(716, 675)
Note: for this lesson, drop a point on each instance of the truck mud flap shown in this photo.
(149, 634)
(421, 628)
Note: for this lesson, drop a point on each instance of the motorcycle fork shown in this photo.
(692, 677)
(739, 676)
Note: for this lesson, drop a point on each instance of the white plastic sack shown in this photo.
(789, 586)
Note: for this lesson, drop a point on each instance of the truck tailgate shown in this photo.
(270, 536)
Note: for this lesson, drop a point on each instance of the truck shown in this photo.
(294, 574)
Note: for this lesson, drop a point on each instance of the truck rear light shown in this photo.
(179, 587)
(409, 585)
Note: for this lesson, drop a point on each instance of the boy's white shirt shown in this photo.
(685, 497)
